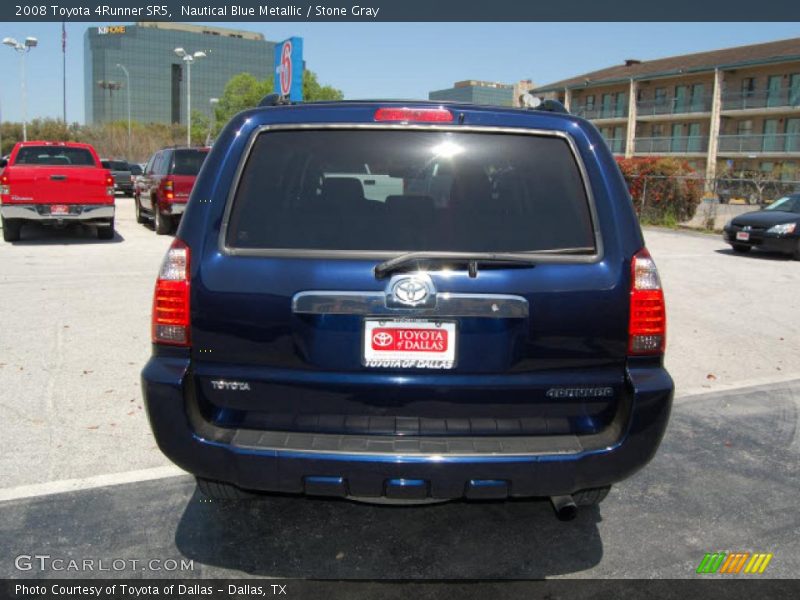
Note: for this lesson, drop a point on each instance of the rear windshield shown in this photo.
(188, 162)
(116, 165)
(134, 169)
(403, 190)
(54, 156)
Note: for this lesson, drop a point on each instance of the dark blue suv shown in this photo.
(409, 302)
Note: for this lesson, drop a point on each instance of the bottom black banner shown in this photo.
(566, 589)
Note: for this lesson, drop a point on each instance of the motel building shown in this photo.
(736, 108)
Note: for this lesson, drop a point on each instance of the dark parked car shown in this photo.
(775, 229)
(409, 303)
(162, 191)
(121, 172)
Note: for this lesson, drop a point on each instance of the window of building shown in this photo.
(657, 130)
(681, 99)
(744, 127)
(590, 102)
(607, 102)
(748, 86)
(794, 89)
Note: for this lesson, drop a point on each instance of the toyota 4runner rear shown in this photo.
(409, 303)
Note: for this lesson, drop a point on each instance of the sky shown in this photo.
(399, 60)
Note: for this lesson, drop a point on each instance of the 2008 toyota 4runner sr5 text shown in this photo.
(409, 302)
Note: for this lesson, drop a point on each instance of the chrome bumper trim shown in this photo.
(177, 208)
(493, 306)
(31, 212)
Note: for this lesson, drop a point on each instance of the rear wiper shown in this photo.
(472, 259)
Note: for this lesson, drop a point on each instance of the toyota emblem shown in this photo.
(382, 339)
(410, 291)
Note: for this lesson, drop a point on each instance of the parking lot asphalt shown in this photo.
(725, 479)
(75, 333)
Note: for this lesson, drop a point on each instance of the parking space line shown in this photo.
(73, 485)
(737, 385)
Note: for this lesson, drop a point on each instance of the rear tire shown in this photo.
(106, 232)
(138, 207)
(592, 496)
(218, 490)
(11, 230)
(163, 223)
(741, 248)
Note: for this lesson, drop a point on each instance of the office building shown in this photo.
(157, 76)
(483, 92)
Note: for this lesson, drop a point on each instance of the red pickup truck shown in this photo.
(55, 183)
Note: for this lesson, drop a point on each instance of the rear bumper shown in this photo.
(41, 212)
(174, 208)
(403, 467)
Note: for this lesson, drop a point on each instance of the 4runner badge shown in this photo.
(236, 386)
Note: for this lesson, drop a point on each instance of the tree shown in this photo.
(313, 91)
(200, 124)
(244, 91)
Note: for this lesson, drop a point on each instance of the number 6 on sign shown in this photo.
(289, 69)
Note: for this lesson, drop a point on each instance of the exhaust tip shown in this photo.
(565, 507)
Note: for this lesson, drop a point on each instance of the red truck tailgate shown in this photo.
(55, 173)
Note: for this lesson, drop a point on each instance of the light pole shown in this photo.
(110, 86)
(189, 58)
(128, 83)
(22, 48)
(213, 102)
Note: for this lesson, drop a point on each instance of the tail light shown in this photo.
(169, 189)
(109, 185)
(415, 115)
(171, 299)
(647, 329)
(5, 188)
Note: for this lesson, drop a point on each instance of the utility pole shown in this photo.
(64, 70)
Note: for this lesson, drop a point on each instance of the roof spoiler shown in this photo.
(530, 101)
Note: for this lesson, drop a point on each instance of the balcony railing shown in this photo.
(769, 142)
(665, 145)
(784, 97)
(617, 145)
(673, 106)
(617, 111)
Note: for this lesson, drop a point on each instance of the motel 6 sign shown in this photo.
(289, 69)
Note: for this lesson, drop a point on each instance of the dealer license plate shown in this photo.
(59, 209)
(409, 344)
(743, 235)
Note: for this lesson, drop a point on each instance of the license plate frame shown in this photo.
(59, 210)
(743, 236)
(422, 357)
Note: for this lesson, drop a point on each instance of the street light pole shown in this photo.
(213, 102)
(189, 58)
(128, 80)
(110, 86)
(22, 48)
